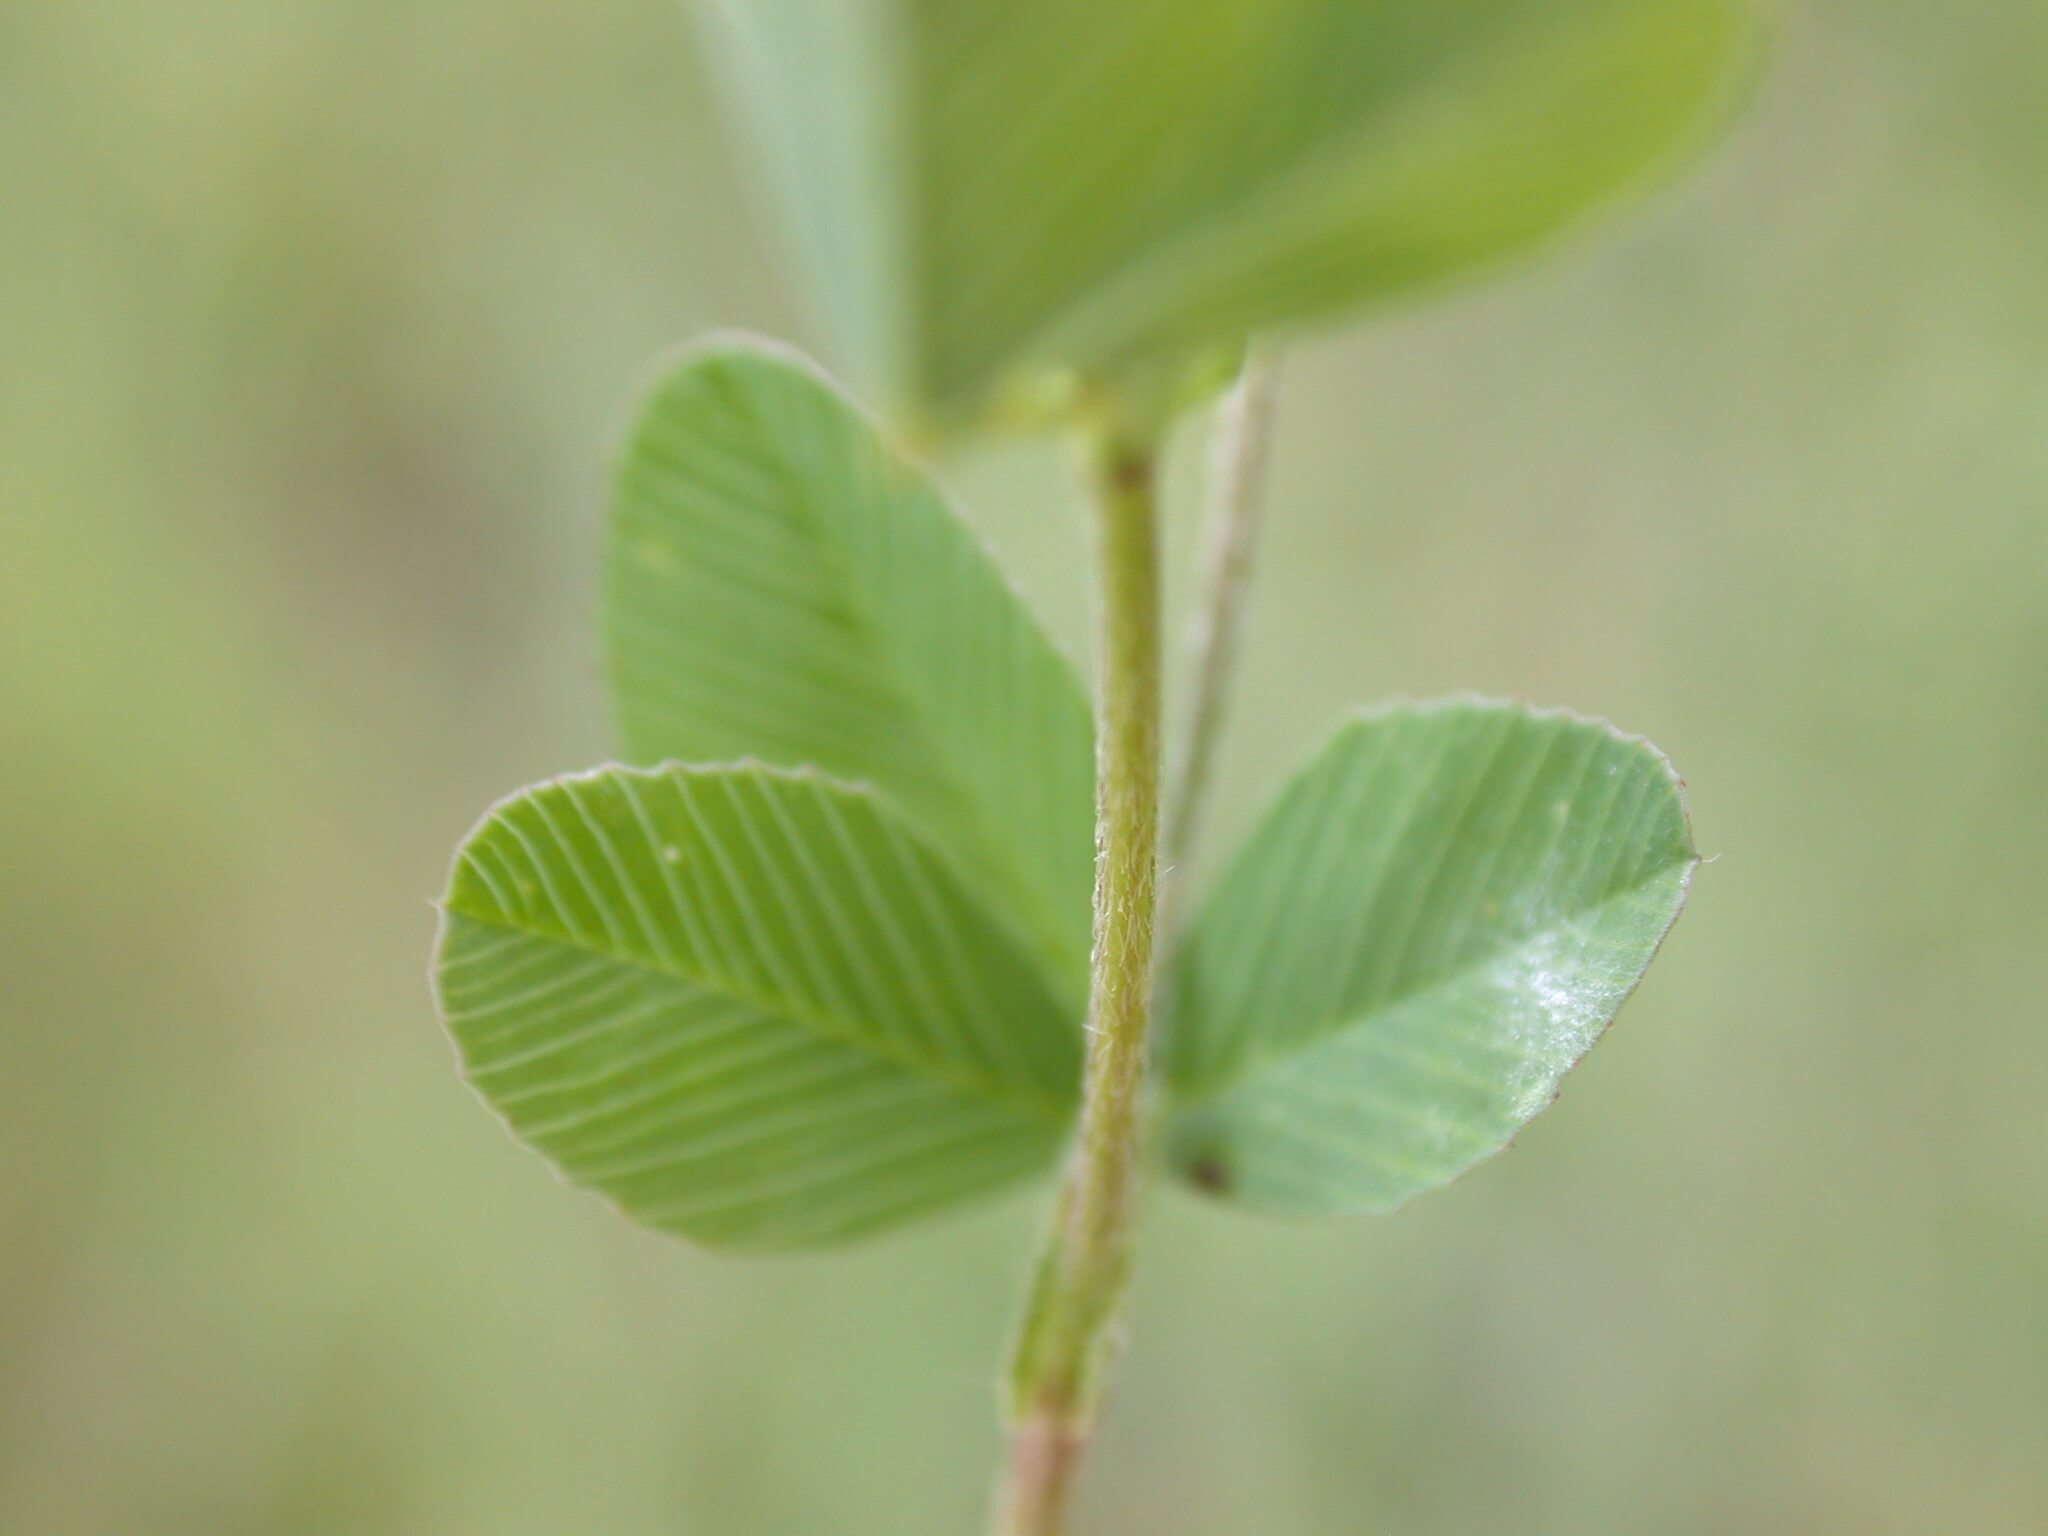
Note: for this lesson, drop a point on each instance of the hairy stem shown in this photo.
(1237, 486)
(1078, 1291)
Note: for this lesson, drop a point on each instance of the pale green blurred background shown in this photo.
(315, 321)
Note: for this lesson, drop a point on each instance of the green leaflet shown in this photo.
(780, 585)
(750, 1007)
(1432, 925)
(981, 190)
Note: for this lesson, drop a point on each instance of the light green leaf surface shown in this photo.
(1432, 925)
(981, 189)
(781, 585)
(750, 1007)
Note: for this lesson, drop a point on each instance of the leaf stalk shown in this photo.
(1240, 453)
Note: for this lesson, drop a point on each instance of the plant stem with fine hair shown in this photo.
(1078, 1291)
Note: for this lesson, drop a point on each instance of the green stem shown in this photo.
(1078, 1292)
(1237, 487)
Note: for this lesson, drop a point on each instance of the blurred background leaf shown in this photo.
(316, 320)
(981, 192)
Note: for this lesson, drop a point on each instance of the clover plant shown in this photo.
(868, 922)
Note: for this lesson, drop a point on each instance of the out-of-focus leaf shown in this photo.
(979, 190)
(1433, 924)
(750, 1007)
(781, 585)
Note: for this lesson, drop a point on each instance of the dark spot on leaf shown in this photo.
(1210, 1172)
